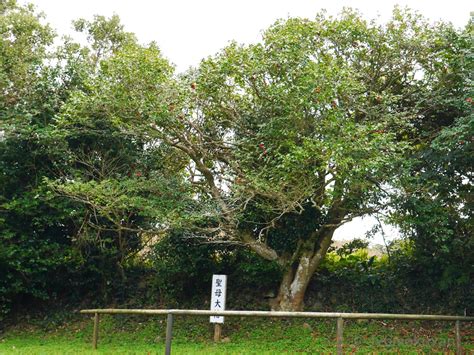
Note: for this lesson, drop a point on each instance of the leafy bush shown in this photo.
(184, 268)
(401, 283)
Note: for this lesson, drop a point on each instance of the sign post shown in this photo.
(218, 296)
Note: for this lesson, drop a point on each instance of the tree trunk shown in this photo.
(293, 286)
(297, 276)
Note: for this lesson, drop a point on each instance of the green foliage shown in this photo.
(103, 149)
(184, 267)
(42, 253)
(353, 281)
(106, 36)
(435, 209)
(23, 43)
(30, 221)
(308, 106)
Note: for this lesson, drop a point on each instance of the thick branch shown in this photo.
(260, 248)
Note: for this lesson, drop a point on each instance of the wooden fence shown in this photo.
(338, 316)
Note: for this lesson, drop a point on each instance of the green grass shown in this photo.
(122, 334)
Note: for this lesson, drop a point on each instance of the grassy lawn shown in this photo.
(192, 335)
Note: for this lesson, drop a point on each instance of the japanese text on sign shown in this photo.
(219, 285)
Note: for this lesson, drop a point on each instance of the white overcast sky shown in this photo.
(189, 30)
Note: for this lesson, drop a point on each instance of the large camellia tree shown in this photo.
(279, 142)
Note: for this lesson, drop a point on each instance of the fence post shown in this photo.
(458, 338)
(95, 334)
(217, 332)
(169, 333)
(340, 324)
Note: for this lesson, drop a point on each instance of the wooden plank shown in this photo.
(339, 316)
(281, 314)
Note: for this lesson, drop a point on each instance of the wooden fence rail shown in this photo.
(337, 315)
